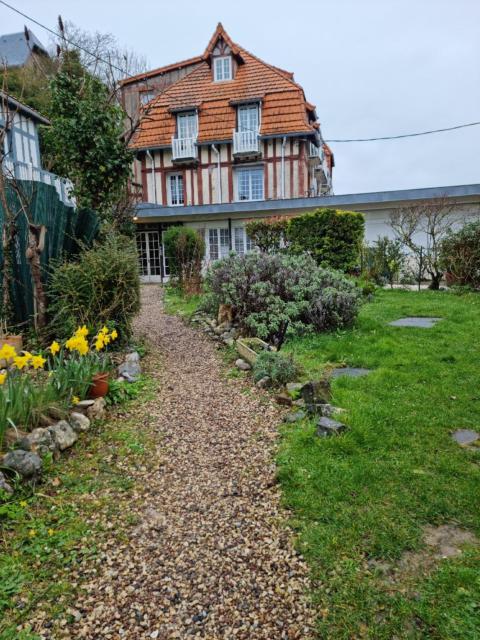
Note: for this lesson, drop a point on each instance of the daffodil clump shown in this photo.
(71, 366)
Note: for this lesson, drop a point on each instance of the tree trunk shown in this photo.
(33, 255)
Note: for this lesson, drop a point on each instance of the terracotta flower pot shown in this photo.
(99, 387)
(13, 341)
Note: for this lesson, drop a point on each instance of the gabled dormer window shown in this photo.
(187, 125)
(222, 68)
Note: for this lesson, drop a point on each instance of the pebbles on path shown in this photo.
(211, 556)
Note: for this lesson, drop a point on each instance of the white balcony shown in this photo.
(246, 142)
(26, 171)
(184, 148)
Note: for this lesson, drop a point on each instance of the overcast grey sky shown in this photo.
(372, 67)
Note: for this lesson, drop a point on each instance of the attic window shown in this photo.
(222, 68)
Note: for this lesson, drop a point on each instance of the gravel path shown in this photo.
(211, 557)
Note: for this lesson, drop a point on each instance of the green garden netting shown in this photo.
(66, 230)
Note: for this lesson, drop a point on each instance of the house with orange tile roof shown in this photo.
(222, 128)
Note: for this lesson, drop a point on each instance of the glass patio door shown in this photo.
(149, 256)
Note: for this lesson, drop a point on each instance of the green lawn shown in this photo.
(177, 303)
(364, 496)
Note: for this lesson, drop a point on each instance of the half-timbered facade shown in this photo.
(225, 127)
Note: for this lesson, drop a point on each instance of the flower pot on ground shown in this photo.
(249, 348)
(99, 387)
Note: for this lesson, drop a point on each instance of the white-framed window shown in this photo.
(175, 189)
(218, 243)
(242, 243)
(146, 96)
(248, 117)
(187, 125)
(222, 68)
(250, 183)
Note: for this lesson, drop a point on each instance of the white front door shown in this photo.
(150, 256)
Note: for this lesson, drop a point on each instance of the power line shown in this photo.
(71, 42)
(408, 135)
(128, 75)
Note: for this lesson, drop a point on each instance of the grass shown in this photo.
(367, 494)
(47, 532)
(178, 303)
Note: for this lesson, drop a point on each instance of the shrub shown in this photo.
(383, 261)
(333, 238)
(279, 368)
(460, 255)
(273, 294)
(185, 248)
(334, 304)
(101, 287)
(268, 234)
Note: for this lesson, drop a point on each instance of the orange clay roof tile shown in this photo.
(283, 110)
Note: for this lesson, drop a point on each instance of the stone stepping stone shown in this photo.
(420, 322)
(465, 437)
(350, 372)
(327, 427)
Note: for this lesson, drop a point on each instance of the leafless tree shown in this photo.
(100, 54)
(421, 228)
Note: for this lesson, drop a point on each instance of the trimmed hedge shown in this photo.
(332, 237)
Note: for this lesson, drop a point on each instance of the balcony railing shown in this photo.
(245, 142)
(184, 148)
(26, 171)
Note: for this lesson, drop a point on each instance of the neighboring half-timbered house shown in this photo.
(225, 127)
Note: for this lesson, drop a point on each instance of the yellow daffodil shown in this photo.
(75, 400)
(23, 503)
(38, 362)
(54, 348)
(81, 332)
(7, 352)
(104, 330)
(51, 532)
(106, 338)
(77, 343)
(99, 342)
(114, 335)
(21, 361)
(3, 377)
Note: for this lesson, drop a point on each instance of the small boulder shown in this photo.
(97, 410)
(290, 418)
(283, 399)
(328, 427)
(79, 422)
(63, 434)
(263, 383)
(242, 365)
(328, 410)
(4, 486)
(40, 441)
(315, 393)
(28, 465)
(229, 341)
(293, 387)
(84, 405)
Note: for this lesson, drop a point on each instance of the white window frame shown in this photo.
(245, 170)
(146, 96)
(247, 108)
(174, 192)
(218, 237)
(222, 77)
(241, 242)
(193, 132)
